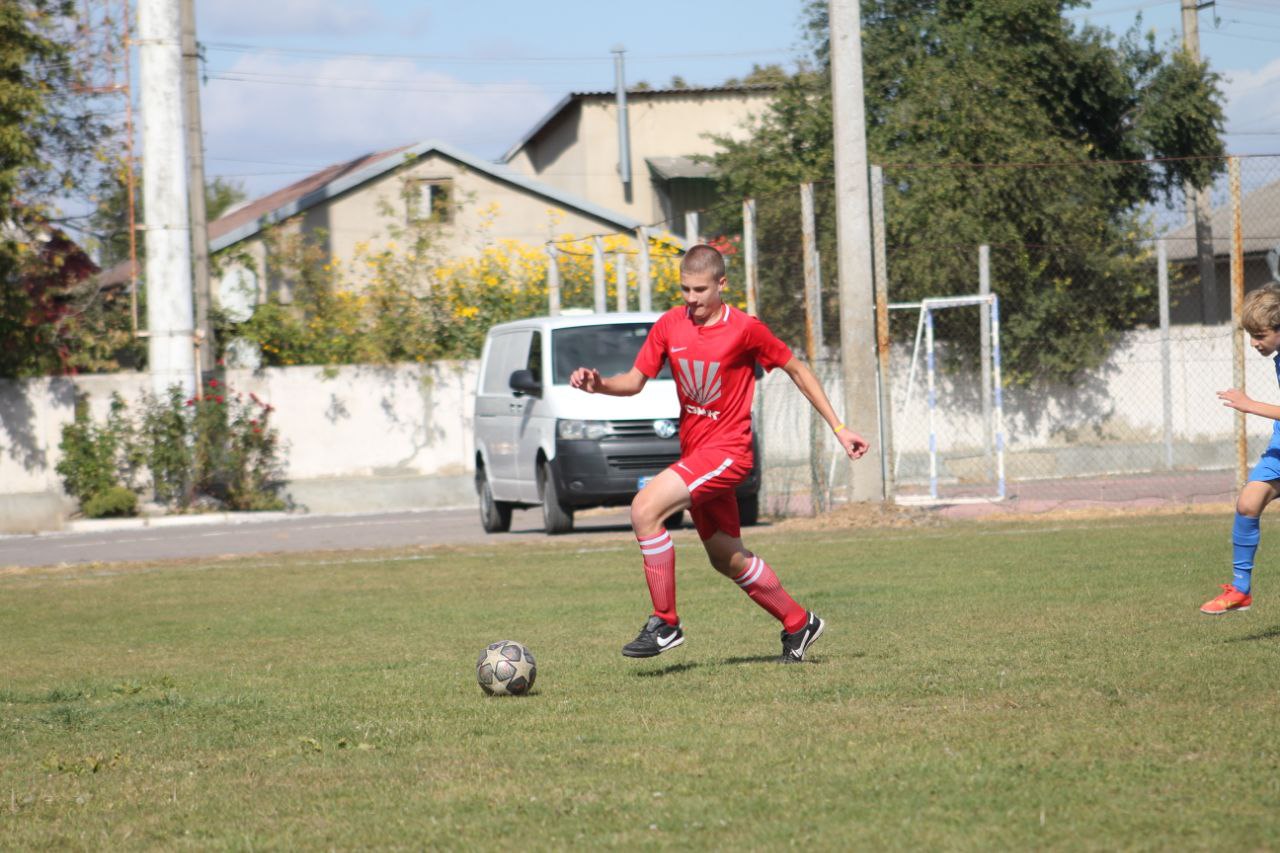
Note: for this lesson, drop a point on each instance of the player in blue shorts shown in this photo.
(1261, 319)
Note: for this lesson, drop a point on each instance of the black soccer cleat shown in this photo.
(654, 638)
(796, 644)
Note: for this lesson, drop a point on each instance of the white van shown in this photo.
(542, 443)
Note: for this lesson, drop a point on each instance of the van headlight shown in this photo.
(577, 430)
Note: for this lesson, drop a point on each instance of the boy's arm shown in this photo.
(622, 385)
(853, 444)
(1234, 398)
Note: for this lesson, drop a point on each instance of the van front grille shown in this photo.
(652, 463)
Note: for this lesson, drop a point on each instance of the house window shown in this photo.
(429, 200)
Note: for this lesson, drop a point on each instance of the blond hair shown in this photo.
(703, 260)
(1261, 312)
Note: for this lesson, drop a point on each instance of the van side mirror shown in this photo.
(522, 382)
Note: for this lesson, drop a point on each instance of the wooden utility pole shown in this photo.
(195, 183)
(1199, 205)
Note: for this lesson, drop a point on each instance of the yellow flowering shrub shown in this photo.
(398, 303)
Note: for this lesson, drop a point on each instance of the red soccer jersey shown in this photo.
(714, 369)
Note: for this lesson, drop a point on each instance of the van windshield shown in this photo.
(610, 349)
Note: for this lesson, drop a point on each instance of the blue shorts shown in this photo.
(1268, 467)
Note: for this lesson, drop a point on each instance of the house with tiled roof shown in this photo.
(363, 202)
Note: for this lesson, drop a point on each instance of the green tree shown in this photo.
(51, 137)
(974, 88)
(109, 222)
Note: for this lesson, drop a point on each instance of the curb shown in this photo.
(109, 525)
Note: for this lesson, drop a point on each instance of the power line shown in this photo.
(373, 86)
(233, 47)
(1221, 34)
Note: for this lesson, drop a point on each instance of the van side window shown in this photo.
(494, 380)
(535, 357)
(507, 353)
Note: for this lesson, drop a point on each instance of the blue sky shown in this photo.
(293, 85)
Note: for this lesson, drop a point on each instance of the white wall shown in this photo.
(382, 423)
(359, 422)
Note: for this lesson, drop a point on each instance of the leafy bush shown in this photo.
(98, 459)
(217, 448)
(114, 502)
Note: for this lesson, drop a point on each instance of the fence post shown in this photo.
(998, 383)
(620, 270)
(553, 280)
(1237, 309)
(812, 343)
(1166, 369)
(932, 401)
(984, 336)
(643, 283)
(880, 281)
(750, 274)
(597, 275)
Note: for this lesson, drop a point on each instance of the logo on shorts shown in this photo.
(700, 382)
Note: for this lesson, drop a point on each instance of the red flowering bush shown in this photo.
(216, 449)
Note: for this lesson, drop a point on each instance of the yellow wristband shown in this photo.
(838, 428)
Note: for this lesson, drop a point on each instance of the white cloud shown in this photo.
(359, 105)
(1252, 107)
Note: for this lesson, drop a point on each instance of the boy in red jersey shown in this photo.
(713, 350)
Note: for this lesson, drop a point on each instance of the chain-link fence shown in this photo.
(1095, 380)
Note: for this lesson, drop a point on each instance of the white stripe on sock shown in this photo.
(648, 552)
(752, 574)
(661, 537)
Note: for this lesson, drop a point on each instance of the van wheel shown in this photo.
(495, 516)
(749, 510)
(555, 518)
(675, 521)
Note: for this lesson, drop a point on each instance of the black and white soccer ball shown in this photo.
(506, 668)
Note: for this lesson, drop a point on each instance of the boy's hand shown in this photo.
(1234, 398)
(585, 379)
(853, 444)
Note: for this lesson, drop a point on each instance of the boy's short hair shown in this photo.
(1261, 312)
(703, 260)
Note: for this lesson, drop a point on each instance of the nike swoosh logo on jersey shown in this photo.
(678, 349)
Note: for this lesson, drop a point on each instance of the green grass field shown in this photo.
(979, 685)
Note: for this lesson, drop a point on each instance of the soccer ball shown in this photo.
(506, 668)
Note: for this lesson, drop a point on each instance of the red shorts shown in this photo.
(711, 475)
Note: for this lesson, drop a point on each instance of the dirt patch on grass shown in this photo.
(855, 516)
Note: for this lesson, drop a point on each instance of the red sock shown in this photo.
(660, 573)
(762, 585)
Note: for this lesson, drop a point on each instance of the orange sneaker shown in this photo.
(1229, 601)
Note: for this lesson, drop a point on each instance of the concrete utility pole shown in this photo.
(195, 178)
(170, 320)
(853, 229)
(1199, 205)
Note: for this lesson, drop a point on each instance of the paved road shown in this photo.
(128, 542)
